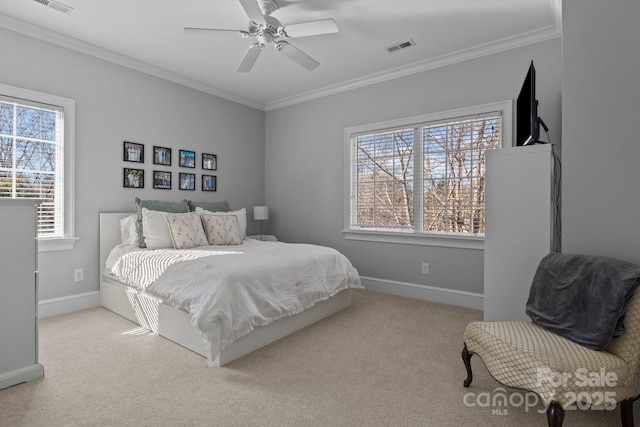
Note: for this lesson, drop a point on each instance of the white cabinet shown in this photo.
(520, 218)
(18, 293)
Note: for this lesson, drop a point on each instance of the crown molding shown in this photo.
(37, 32)
(549, 32)
(552, 31)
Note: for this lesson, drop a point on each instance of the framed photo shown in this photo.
(133, 178)
(133, 152)
(209, 183)
(162, 180)
(187, 159)
(161, 156)
(187, 181)
(209, 161)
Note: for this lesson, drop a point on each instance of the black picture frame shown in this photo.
(209, 161)
(132, 178)
(187, 181)
(162, 180)
(209, 183)
(161, 156)
(187, 159)
(132, 152)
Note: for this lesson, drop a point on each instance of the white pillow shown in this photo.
(128, 232)
(186, 230)
(155, 229)
(221, 229)
(241, 214)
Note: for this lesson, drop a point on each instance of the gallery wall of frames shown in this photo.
(133, 176)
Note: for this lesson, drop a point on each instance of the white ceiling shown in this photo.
(148, 35)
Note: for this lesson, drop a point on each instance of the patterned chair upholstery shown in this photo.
(522, 355)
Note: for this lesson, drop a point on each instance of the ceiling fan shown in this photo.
(266, 29)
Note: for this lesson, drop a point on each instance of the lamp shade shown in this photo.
(260, 213)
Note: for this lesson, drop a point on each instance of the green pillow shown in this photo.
(209, 206)
(156, 205)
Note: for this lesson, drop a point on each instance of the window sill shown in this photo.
(47, 244)
(423, 239)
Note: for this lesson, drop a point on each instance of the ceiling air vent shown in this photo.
(396, 46)
(55, 5)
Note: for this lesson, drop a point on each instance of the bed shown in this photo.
(211, 335)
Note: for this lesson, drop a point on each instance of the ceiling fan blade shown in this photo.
(250, 57)
(297, 55)
(253, 11)
(311, 28)
(208, 31)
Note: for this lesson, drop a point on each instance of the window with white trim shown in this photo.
(33, 140)
(423, 175)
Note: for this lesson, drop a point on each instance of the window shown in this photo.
(35, 137)
(423, 176)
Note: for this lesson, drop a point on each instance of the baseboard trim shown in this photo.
(71, 303)
(22, 375)
(68, 304)
(425, 292)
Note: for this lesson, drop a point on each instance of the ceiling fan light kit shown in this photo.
(266, 30)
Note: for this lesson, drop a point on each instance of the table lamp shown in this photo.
(260, 213)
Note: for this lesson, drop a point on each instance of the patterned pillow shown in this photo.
(186, 230)
(221, 229)
(241, 214)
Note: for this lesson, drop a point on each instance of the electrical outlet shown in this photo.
(78, 275)
(425, 268)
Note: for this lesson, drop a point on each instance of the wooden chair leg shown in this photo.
(555, 414)
(466, 358)
(626, 412)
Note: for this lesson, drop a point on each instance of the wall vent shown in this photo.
(398, 46)
(56, 5)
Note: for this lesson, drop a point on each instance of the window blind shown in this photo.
(384, 179)
(31, 159)
(434, 169)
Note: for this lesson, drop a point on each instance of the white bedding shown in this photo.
(240, 287)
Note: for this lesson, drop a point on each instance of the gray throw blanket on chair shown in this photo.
(582, 298)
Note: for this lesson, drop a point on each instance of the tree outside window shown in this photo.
(434, 168)
(31, 154)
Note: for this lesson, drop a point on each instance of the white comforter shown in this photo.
(238, 287)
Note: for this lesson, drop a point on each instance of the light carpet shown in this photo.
(384, 361)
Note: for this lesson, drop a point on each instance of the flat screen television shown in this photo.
(527, 120)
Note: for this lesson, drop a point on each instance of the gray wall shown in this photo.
(304, 143)
(305, 157)
(293, 159)
(601, 109)
(114, 104)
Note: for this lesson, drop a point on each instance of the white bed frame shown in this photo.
(175, 324)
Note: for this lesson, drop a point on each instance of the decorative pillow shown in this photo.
(156, 205)
(128, 232)
(221, 229)
(186, 230)
(155, 229)
(210, 206)
(241, 214)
